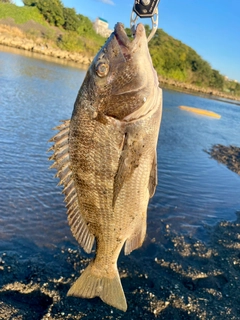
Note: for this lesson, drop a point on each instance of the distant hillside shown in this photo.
(175, 60)
(63, 28)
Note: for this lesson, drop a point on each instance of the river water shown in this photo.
(194, 191)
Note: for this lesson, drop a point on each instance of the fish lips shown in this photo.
(127, 46)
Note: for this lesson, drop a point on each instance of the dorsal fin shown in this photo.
(62, 163)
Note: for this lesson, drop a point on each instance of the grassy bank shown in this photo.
(21, 14)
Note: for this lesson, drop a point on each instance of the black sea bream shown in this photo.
(106, 159)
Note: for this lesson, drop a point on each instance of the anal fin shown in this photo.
(136, 239)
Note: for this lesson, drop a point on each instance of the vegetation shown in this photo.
(20, 14)
(175, 60)
(171, 58)
(52, 10)
(63, 26)
(6, 1)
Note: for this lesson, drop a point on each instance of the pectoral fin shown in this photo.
(128, 161)
(153, 177)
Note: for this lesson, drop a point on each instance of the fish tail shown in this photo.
(91, 284)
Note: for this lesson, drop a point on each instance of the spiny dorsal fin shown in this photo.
(62, 163)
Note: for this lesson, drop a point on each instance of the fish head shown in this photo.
(121, 76)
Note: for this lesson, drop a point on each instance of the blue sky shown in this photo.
(211, 27)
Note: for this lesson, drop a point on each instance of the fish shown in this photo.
(106, 160)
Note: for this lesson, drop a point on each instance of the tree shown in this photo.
(51, 10)
(7, 1)
(216, 80)
(86, 26)
(30, 3)
(71, 19)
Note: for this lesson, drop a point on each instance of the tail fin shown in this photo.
(90, 285)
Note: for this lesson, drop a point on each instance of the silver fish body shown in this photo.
(106, 159)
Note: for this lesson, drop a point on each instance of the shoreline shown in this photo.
(192, 89)
(43, 48)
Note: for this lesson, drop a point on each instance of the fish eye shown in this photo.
(102, 69)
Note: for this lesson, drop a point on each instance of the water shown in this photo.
(35, 95)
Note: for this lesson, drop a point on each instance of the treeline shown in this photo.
(175, 60)
(171, 58)
(56, 14)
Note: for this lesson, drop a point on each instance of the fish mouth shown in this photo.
(126, 45)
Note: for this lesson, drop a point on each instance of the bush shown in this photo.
(71, 42)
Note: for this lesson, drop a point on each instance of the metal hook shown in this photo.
(154, 24)
(154, 19)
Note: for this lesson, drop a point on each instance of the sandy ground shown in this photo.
(173, 277)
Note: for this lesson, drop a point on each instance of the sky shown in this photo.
(210, 27)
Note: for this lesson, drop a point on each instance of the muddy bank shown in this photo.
(171, 277)
(229, 156)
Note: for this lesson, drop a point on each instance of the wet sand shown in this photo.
(171, 277)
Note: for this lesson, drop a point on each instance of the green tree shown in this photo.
(237, 89)
(51, 10)
(30, 3)
(85, 26)
(216, 80)
(71, 19)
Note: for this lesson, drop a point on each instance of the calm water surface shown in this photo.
(193, 191)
